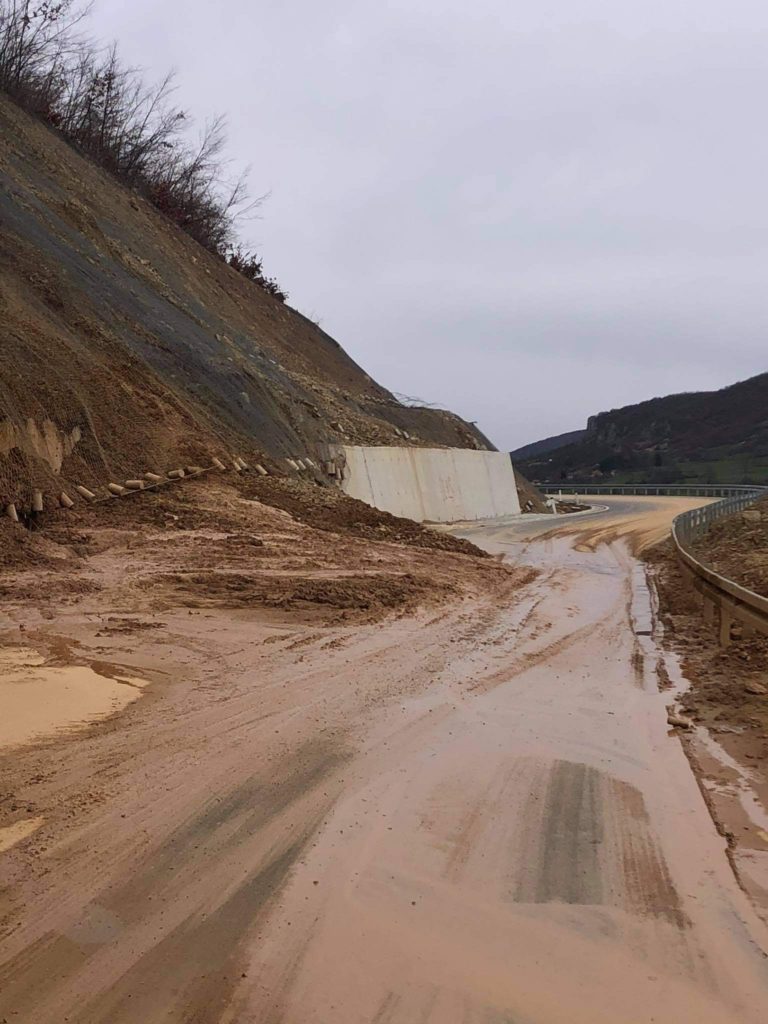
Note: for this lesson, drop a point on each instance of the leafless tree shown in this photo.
(132, 129)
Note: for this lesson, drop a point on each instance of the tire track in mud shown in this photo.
(147, 962)
(592, 845)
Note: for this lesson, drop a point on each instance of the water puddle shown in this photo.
(39, 700)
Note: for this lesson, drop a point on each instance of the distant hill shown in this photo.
(705, 436)
(549, 444)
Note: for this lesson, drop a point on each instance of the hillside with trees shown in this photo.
(707, 436)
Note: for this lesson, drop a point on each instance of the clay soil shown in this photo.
(210, 543)
(445, 792)
(737, 547)
(727, 695)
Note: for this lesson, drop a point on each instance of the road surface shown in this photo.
(471, 816)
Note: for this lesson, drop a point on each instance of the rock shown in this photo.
(756, 688)
(678, 721)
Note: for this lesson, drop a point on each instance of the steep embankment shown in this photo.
(127, 347)
(718, 436)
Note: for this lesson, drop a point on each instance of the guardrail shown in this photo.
(723, 601)
(671, 490)
(718, 593)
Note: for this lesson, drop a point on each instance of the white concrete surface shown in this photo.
(438, 485)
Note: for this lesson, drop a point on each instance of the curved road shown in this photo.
(489, 823)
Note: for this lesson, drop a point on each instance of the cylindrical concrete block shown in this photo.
(175, 474)
(240, 464)
(218, 464)
(10, 511)
(236, 466)
(85, 493)
(65, 501)
(260, 470)
(134, 485)
(37, 501)
(154, 478)
(115, 489)
(292, 464)
(301, 463)
(192, 470)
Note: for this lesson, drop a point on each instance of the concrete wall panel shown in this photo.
(439, 485)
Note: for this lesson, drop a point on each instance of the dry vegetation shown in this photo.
(132, 129)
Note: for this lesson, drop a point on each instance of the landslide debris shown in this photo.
(737, 547)
(325, 508)
(286, 548)
(127, 347)
(531, 498)
(722, 678)
(727, 692)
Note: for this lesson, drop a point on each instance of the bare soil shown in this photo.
(727, 695)
(464, 808)
(326, 508)
(126, 347)
(737, 547)
(211, 542)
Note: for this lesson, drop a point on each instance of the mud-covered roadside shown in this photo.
(216, 543)
(263, 647)
(737, 547)
(98, 588)
(724, 695)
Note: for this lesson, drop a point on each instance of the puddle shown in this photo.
(12, 834)
(39, 700)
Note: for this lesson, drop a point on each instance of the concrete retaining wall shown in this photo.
(438, 485)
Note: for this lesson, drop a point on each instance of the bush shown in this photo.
(131, 129)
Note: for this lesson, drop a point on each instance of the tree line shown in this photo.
(131, 128)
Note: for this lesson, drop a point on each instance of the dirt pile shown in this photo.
(531, 498)
(737, 547)
(721, 678)
(216, 542)
(126, 347)
(327, 509)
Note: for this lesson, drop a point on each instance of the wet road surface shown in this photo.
(474, 816)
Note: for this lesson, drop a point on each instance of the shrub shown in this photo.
(130, 128)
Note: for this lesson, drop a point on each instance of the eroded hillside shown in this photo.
(126, 347)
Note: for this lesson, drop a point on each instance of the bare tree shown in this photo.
(130, 128)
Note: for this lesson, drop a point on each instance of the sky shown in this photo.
(527, 212)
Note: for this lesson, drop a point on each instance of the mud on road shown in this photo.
(465, 807)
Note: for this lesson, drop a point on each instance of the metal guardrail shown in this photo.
(718, 594)
(735, 603)
(671, 490)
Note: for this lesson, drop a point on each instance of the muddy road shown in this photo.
(470, 814)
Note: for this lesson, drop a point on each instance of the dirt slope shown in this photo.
(737, 547)
(127, 347)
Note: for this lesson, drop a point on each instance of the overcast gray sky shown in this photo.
(525, 211)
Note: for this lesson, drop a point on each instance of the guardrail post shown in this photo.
(726, 621)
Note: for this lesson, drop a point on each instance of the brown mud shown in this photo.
(473, 812)
(737, 547)
(725, 694)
